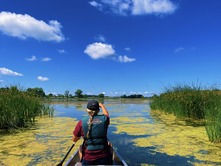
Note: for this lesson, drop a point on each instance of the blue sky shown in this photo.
(112, 47)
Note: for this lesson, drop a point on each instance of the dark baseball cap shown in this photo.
(93, 105)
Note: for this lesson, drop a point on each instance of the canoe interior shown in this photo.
(117, 159)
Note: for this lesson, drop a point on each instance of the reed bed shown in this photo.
(192, 102)
(19, 108)
(213, 119)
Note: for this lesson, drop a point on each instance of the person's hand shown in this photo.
(104, 110)
(101, 105)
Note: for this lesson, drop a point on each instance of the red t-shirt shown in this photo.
(90, 155)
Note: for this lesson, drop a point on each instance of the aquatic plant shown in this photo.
(213, 116)
(192, 102)
(45, 143)
(18, 108)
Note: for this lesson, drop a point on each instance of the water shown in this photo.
(140, 137)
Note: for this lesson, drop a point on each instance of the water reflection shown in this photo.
(141, 137)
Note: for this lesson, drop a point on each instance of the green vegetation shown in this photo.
(133, 96)
(192, 102)
(37, 92)
(19, 108)
(78, 94)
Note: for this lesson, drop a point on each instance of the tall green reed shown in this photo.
(183, 101)
(192, 102)
(18, 108)
(213, 117)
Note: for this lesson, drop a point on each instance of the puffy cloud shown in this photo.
(25, 26)
(135, 7)
(5, 71)
(99, 50)
(125, 59)
(40, 78)
(152, 7)
(120, 7)
(33, 58)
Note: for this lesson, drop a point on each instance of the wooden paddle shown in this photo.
(60, 164)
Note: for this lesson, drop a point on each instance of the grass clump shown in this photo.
(192, 102)
(213, 118)
(19, 108)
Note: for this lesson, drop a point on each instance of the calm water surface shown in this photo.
(141, 138)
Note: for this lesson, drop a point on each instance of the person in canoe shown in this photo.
(95, 149)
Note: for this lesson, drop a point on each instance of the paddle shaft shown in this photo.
(60, 164)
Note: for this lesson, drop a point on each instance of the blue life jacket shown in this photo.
(98, 136)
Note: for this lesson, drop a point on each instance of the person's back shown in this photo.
(93, 128)
(96, 138)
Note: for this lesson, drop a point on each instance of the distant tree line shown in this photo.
(77, 94)
(36, 92)
(133, 96)
(39, 92)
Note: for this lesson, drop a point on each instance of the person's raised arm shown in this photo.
(104, 110)
(77, 132)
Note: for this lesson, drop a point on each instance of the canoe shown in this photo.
(75, 159)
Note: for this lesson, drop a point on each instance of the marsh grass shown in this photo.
(18, 108)
(213, 121)
(192, 102)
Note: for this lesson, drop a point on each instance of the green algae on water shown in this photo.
(171, 136)
(45, 144)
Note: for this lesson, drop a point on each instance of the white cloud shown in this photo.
(95, 4)
(99, 50)
(62, 51)
(128, 49)
(125, 59)
(1, 81)
(46, 59)
(40, 78)
(100, 38)
(33, 58)
(178, 49)
(25, 26)
(120, 7)
(5, 71)
(135, 7)
(141, 7)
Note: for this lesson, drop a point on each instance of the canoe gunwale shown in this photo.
(117, 159)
